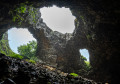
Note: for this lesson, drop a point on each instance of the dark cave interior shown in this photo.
(96, 29)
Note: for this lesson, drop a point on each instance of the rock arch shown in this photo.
(96, 30)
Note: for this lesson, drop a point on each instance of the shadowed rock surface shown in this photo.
(97, 29)
(16, 71)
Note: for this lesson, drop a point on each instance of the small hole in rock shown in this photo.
(85, 53)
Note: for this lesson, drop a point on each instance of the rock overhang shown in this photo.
(96, 29)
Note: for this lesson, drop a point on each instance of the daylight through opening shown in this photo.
(58, 19)
(22, 44)
(85, 53)
(19, 37)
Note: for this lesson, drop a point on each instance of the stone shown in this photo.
(8, 81)
(97, 29)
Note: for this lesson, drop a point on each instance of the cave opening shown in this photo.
(99, 29)
(22, 42)
(19, 36)
(58, 19)
(49, 53)
(85, 53)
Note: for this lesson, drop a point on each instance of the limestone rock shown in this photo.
(97, 29)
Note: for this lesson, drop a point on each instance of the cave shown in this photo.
(96, 29)
(18, 37)
(84, 53)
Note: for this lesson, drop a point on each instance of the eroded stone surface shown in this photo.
(17, 71)
(96, 29)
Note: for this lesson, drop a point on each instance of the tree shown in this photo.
(29, 50)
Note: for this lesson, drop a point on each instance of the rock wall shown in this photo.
(97, 24)
(17, 71)
(51, 44)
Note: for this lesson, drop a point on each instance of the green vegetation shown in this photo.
(32, 12)
(16, 56)
(32, 61)
(87, 65)
(4, 46)
(76, 22)
(74, 74)
(85, 68)
(17, 13)
(5, 49)
(28, 51)
(83, 58)
(21, 10)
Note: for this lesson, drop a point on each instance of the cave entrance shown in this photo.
(22, 42)
(58, 19)
(84, 53)
(85, 66)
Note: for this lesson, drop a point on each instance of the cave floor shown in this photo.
(17, 71)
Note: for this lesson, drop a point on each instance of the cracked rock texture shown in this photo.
(17, 71)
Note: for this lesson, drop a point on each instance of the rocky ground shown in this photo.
(17, 71)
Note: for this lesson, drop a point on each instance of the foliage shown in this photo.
(20, 10)
(32, 12)
(4, 46)
(16, 56)
(83, 58)
(76, 22)
(34, 58)
(29, 50)
(74, 74)
(32, 61)
(87, 63)
(3, 52)
(85, 67)
(17, 13)
(88, 66)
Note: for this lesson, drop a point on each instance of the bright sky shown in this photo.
(19, 37)
(85, 53)
(58, 19)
